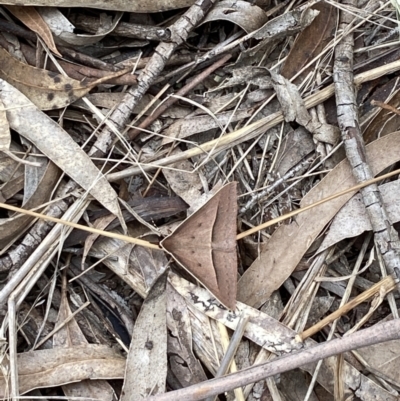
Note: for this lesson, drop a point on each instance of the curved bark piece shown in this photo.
(205, 245)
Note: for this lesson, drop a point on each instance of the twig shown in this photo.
(148, 244)
(374, 335)
(253, 130)
(182, 92)
(179, 32)
(388, 283)
(386, 236)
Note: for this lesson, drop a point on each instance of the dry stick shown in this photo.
(253, 130)
(388, 283)
(385, 235)
(182, 92)
(169, 102)
(231, 351)
(253, 230)
(374, 335)
(320, 202)
(179, 32)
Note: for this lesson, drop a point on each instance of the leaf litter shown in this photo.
(266, 120)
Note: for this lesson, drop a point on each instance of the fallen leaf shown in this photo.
(248, 16)
(25, 118)
(29, 16)
(182, 362)
(275, 264)
(68, 336)
(46, 89)
(146, 365)
(149, 6)
(55, 367)
(352, 219)
(310, 42)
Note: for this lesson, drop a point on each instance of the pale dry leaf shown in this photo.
(294, 109)
(70, 335)
(5, 135)
(30, 17)
(352, 219)
(107, 25)
(275, 264)
(46, 89)
(258, 76)
(146, 365)
(137, 6)
(56, 20)
(139, 267)
(183, 182)
(110, 100)
(25, 118)
(248, 16)
(193, 125)
(55, 367)
(270, 334)
(182, 362)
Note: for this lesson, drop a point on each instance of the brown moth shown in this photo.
(205, 245)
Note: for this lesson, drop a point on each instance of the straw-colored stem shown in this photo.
(147, 244)
(109, 234)
(320, 202)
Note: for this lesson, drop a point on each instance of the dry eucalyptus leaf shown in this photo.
(190, 126)
(107, 25)
(56, 20)
(267, 332)
(70, 335)
(146, 365)
(33, 20)
(47, 90)
(248, 16)
(137, 6)
(25, 118)
(182, 362)
(275, 264)
(352, 219)
(5, 136)
(58, 366)
(110, 100)
(183, 181)
(294, 109)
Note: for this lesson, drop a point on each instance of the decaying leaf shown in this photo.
(5, 136)
(25, 118)
(294, 109)
(248, 16)
(311, 41)
(146, 365)
(352, 219)
(137, 6)
(33, 20)
(70, 335)
(275, 263)
(107, 25)
(183, 182)
(46, 89)
(205, 245)
(182, 362)
(55, 367)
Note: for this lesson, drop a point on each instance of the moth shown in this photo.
(205, 245)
